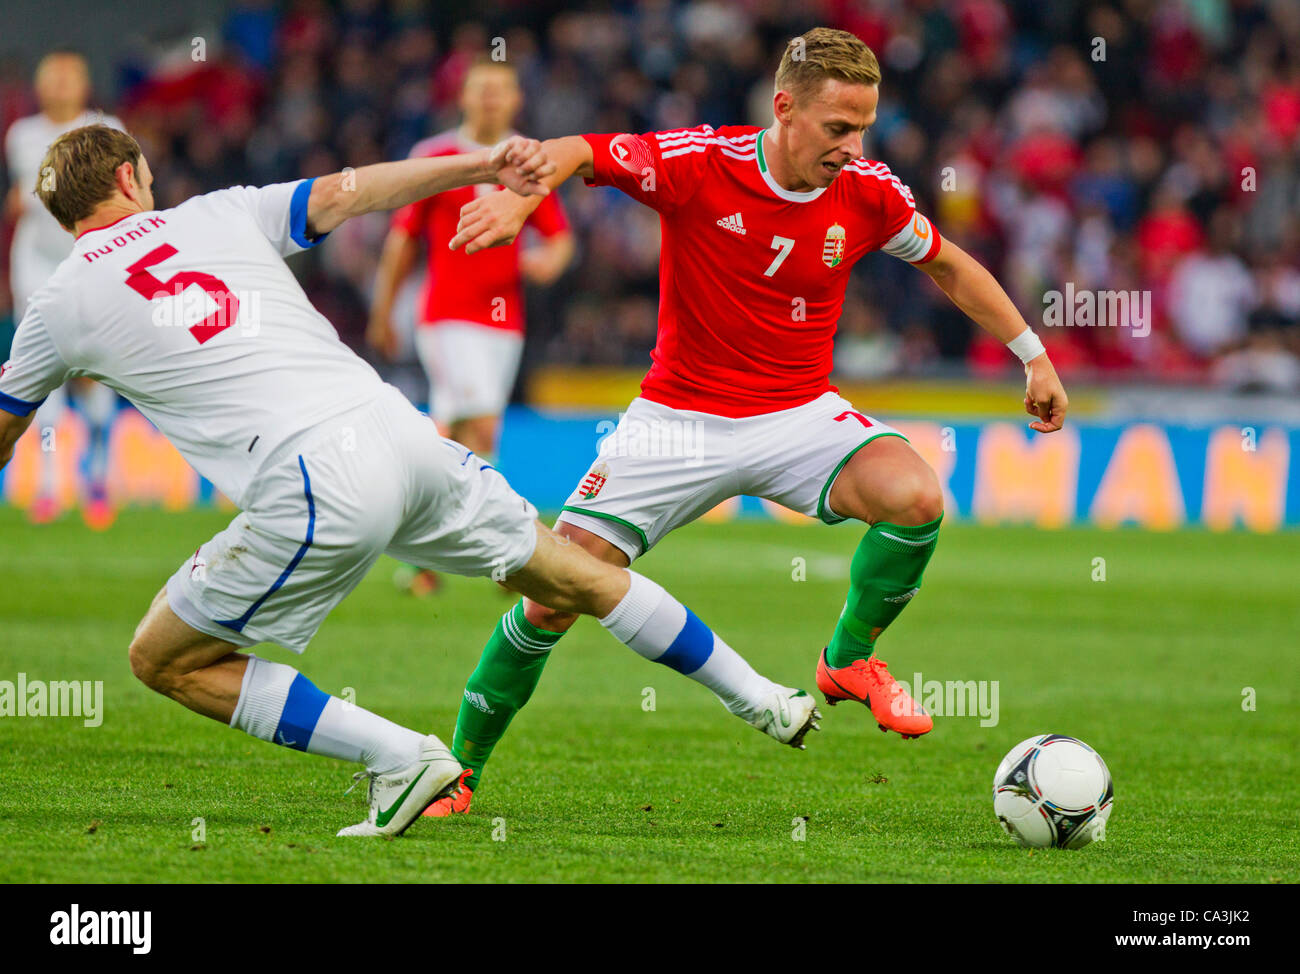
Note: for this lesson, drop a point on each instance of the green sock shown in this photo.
(885, 574)
(506, 675)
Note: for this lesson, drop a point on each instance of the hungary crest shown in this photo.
(833, 246)
(594, 481)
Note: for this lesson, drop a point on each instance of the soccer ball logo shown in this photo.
(1053, 790)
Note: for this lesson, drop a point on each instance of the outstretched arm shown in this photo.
(516, 163)
(497, 218)
(973, 289)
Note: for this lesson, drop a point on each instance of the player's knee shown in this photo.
(549, 619)
(914, 498)
(146, 667)
(927, 503)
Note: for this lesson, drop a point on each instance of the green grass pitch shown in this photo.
(1151, 666)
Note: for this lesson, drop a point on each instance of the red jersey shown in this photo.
(751, 275)
(484, 288)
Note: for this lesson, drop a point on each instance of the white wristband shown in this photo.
(1026, 345)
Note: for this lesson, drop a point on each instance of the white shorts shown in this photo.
(471, 368)
(663, 467)
(376, 479)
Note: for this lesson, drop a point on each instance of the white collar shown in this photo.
(777, 188)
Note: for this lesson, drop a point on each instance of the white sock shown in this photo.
(655, 625)
(279, 704)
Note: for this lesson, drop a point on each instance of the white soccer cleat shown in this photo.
(787, 715)
(396, 800)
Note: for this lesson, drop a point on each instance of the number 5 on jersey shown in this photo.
(144, 283)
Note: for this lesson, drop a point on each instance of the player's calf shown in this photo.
(643, 616)
(888, 485)
(193, 668)
(275, 703)
(552, 620)
(563, 579)
(637, 612)
(568, 580)
(509, 669)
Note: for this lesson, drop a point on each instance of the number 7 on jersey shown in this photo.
(783, 245)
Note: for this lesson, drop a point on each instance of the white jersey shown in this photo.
(192, 314)
(39, 242)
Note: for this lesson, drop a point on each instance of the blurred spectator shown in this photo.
(865, 348)
(1212, 292)
(1266, 362)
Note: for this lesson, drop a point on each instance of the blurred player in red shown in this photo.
(760, 229)
(470, 328)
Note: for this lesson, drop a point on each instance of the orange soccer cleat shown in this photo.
(457, 803)
(868, 682)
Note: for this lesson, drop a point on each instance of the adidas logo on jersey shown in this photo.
(734, 223)
(478, 701)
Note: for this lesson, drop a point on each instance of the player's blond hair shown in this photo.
(822, 53)
(78, 171)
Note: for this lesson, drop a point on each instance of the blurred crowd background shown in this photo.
(1136, 145)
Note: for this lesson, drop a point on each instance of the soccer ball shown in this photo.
(1053, 790)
